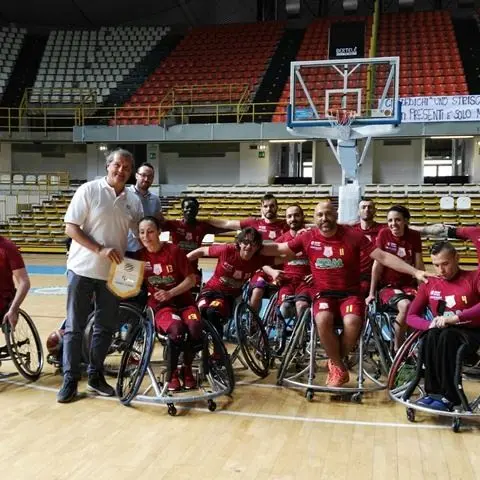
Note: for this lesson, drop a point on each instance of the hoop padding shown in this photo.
(355, 132)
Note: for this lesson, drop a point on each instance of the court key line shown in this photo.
(264, 416)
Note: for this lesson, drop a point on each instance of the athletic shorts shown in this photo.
(222, 304)
(390, 296)
(165, 316)
(339, 307)
(295, 288)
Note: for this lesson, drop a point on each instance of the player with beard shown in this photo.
(270, 228)
(292, 278)
(397, 289)
(334, 254)
(454, 299)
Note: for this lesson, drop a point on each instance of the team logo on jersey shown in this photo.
(450, 301)
(157, 269)
(328, 251)
(401, 252)
(188, 236)
(272, 234)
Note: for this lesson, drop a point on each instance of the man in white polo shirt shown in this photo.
(150, 202)
(97, 220)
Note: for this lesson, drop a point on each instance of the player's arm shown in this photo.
(418, 261)
(198, 253)
(76, 233)
(277, 250)
(377, 270)
(438, 229)
(415, 316)
(22, 284)
(184, 286)
(397, 264)
(227, 225)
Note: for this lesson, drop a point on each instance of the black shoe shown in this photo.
(68, 391)
(98, 384)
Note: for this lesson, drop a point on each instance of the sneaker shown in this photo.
(189, 381)
(425, 401)
(336, 376)
(174, 384)
(98, 384)
(442, 405)
(68, 391)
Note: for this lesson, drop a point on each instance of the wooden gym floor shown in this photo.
(263, 432)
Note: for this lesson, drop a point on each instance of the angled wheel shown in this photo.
(24, 347)
(217, 365)
(128, 317)
(135, 360)
(252, 339)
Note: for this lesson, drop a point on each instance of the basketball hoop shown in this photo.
(341, 120)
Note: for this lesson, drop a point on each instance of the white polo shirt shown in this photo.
(106, 218)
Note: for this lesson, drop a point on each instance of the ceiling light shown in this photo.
(288, 141)
(450, 137)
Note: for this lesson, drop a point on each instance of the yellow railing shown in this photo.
(372, 52)
(46, 119)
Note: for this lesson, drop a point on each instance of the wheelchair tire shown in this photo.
(20, 343)
(128, 317)
(254, 347)
(135, 361)
(298, 337)
(219, 366)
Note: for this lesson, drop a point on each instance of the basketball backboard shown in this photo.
(367, 89)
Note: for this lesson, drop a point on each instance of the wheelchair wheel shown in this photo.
(25, 347)
(128, 318)
(275, 328)
(296, 346)
(217, 364)
(135, 360)
(252, 339)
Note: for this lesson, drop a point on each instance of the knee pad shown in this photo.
(176, 333)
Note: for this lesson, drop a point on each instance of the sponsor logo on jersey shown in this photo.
(160, 281)
(298, 261)
(231, 282)
(328, 263)
(435, 295)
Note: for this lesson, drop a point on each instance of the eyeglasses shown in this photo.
(145, 175)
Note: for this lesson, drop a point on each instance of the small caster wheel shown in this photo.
(456, 425)
(172, 411)
(356, 398)
(272, 363)
(309, 395)
(410, 414)
(212, 406)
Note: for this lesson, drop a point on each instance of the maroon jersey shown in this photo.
(188, 236)
(297, 268)
(231, 271)
(404, 247)
(371, 233)
(164, 270)
(334, 261)
(269, 231)
(459, 296)
(10, 260)
(472, 234)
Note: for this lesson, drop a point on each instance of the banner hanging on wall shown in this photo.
(457, 108)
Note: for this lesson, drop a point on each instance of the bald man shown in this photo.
(334, 252)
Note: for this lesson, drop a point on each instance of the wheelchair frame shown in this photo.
(137, 361)
(14, 348)
(413, 348)
(303, 343)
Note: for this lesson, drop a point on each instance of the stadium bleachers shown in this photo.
(77, 62)
(11, 39)
(211, 65)
(430, 62)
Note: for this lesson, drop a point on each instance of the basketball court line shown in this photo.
(263, 416)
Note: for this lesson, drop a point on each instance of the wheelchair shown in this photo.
(23, 347)
(247, 331)
(146, 353)
(128, 318)
(300, 364)
(405, 384)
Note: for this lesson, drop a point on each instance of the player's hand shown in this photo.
(110, 253)
(369, 299)
(11, 318)
(442, 322)
(162, 296)
(422, 276)
(277, 275)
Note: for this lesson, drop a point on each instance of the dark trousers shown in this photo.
(440, 355)
(81, 291)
